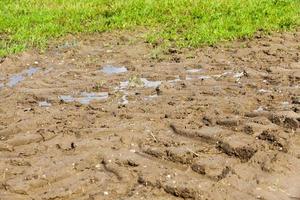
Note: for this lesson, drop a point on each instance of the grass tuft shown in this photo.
(32, 23)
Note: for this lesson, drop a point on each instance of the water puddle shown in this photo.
(113, 70)
(150, 84)
(260, 109)
(177, 78)
(31, 71)
(194, 70)
(238, 75)
(122, 86)
(147, 98)
(44, 104)
(285, 104)
(85, 97)
(226, 74)
(17, 78)
(66, 98)
(189, 77)
(124, 100)
(262, 91)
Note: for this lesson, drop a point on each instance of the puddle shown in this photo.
(151, 97)
(137, 83)
(217, 75)
(88, 97)
(238, 75)
(285, 104)
(124, 100)
(177, 78)
(44, 104)
(17, 78)
(85, 97)
(227, 73)
(196, 77)
(263, 91)
(113, 70)
(66, 98)
(123, 85)
(31, 71)
(194, 70)
(150, 84)
(259, 109)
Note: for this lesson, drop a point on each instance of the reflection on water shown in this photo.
(17, 78)
(113, 70)
(85, 97)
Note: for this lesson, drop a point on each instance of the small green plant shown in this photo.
(184, 23)
(158, 53)
(98, 86)
(135, 81)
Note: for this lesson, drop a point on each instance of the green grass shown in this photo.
(33, 23)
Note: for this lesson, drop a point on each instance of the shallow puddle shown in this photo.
(124, 100)
(17, 78)
(147, 98)
(194, 70)
(259, 109)
(189, 77)
(123, 85)
(31, 71)
(138, 83)
(85, 97)
(285, 104)
(66, 98)
(150, 84)
(44, 104)
(238, 75)
(113, 70)
(264, 91)
(177, 78)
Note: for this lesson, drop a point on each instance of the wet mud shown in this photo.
(105, 120)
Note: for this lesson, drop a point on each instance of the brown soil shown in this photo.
(227, 131)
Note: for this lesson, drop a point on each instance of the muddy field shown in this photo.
(112, 118)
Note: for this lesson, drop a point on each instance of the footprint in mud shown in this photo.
(17, 78)
(113, 70)
(85, 97)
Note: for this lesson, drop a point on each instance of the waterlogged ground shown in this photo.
(105, 119)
